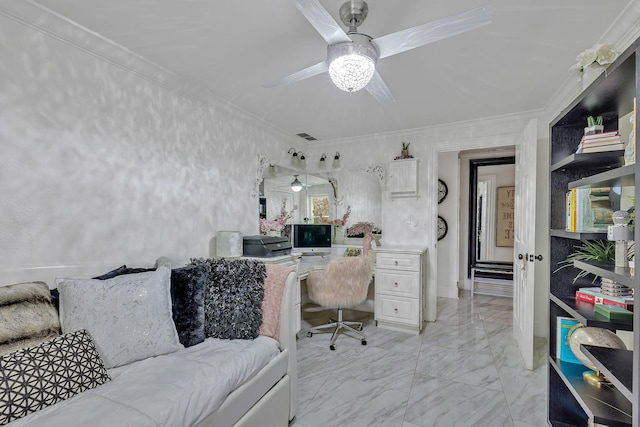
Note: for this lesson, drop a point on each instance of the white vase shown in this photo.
(590, 73)
(339, 235)
(274, 233)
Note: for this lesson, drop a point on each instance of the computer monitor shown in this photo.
(312, 238)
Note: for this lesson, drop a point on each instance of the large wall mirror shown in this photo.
(491, 195)
(323, 195)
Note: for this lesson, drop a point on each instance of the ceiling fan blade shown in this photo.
(314, 70)
(379, 90)
(322, 21)
(411, 38)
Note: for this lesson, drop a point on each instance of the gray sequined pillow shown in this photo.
(233, 302)
(129, 317)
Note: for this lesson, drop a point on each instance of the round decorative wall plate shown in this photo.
(442, 191)
(442, 228)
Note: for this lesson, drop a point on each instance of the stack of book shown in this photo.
(599, 142)
(595, 296)
(613, 312)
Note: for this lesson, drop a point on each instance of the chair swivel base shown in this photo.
(337, 325)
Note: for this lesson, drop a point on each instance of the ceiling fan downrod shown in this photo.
(353, 14)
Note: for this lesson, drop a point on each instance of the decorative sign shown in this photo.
(505, 223)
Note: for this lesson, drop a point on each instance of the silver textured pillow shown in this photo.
(129, 317)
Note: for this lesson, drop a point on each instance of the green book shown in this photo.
(613, 312)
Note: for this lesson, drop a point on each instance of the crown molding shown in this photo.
(490, 130)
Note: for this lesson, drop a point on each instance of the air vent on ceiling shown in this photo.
(306, 136)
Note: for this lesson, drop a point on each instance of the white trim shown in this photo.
(490, 212)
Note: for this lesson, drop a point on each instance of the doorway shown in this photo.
(491, 223)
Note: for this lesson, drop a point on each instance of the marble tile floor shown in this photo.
(462, 370)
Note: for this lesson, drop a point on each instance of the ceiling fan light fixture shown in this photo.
(351, 72)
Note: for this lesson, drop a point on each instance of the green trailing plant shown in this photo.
(594, 122)
(597, 250)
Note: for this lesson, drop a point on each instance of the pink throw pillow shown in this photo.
(273, 290)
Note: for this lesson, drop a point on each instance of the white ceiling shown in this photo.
(232, 48)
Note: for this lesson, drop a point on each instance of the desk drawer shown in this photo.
(397, 309)
(398, 262)
(397, 282)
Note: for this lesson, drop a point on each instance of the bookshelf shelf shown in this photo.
(585, 313)
(603, 405)
(623, 176)
(578, 235)
(615, 96)
(615, 364)
(594, 161)
(608, 270)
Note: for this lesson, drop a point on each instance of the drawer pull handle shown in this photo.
(396, 262)
(396, 284)
(395, 310)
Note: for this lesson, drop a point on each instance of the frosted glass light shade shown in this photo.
(352, 72)
(296, 185)
(229, 244)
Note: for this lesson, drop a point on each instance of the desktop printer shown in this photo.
(265, 246)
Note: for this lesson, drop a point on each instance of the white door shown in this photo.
(524, 242)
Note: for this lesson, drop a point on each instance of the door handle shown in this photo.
(520, 256)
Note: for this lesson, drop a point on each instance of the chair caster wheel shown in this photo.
(360, 328)
(309, 334)
(364, 342)
(332, 347)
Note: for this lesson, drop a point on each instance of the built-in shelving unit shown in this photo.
(572, 400)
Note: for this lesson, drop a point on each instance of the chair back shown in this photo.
(343, 283)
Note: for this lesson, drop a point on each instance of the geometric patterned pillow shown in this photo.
(36, 377)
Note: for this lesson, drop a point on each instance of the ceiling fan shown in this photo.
(352, 56)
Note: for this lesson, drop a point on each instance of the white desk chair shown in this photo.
(342, 284)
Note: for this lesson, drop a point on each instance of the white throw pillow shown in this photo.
(129, 317)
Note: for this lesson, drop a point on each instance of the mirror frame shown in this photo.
(474, 164)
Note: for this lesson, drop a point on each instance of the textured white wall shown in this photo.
(100, 165)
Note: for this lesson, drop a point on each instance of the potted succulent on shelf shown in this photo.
(594, 125)
(405, 150)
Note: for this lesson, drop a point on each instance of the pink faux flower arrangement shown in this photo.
(279, 223)
(338, 221)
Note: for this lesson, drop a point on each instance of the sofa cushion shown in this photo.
(233, 303)
(27, 316)
(188, 289)
(36, 377)
(129, 317)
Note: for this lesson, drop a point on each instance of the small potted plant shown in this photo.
(597, 250)
(405, 150)
(594, 126)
